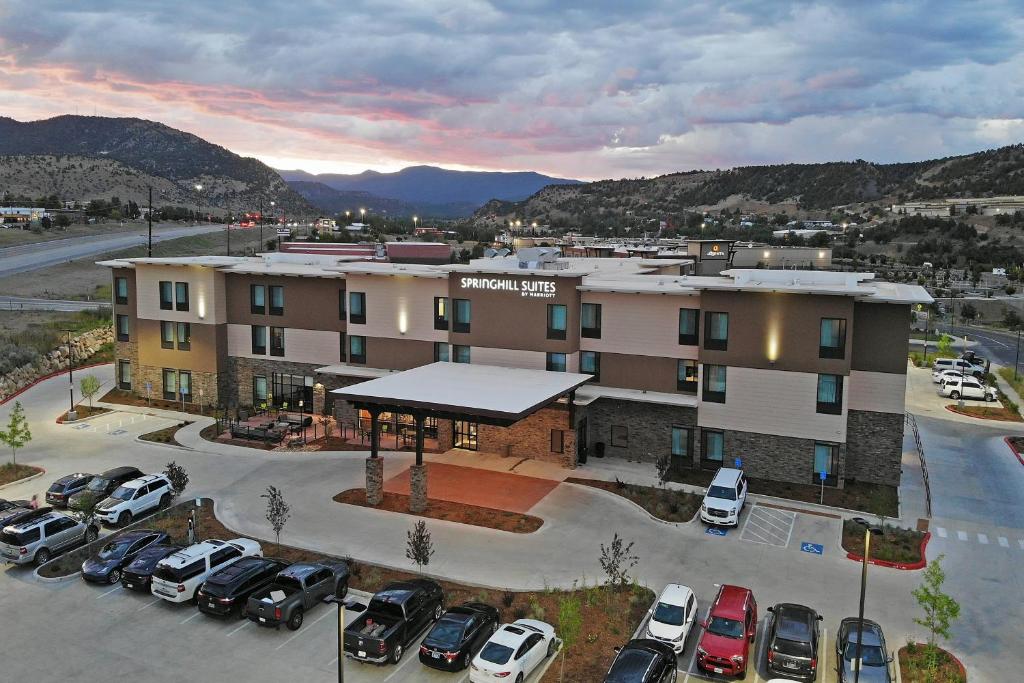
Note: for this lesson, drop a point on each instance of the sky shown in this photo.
(583, 89)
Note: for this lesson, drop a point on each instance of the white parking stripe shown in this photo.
(298, 633)
(408, 658)
(941, 531)
(983, 539)
(148, 604)
(112, 590)
(765, 531)
(247, 623)
(1003, 542)
(962, 535)
(191, 617)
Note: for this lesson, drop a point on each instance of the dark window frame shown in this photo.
(164, 342)
(456, 348)
(832, 351)
(256, 398)
(447, 352)
(169, 395)
(712, 343)
(832, 478)
(441, 313)
(591, 332)
(118, 299)
(357, 318)
(707, 394)
(187, 344)
(596, 372)
(549, 358)
(704, 459)
(557, 441)
(342, 304)
(682, 384)
(271, 308)
(554, 332)
(180, 305)
(342, 347)
(126, 334)
(458, 325)
(353, 357)
(253, 307)
(619, 436)
(688, 441)
(188, 396)
(166, 287)
(121, 384)
(829, 407)
(259, 350)
(689, 339)
(278, 350)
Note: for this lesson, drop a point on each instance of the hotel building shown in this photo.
(791, 372)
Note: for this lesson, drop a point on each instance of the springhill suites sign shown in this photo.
(535, 289)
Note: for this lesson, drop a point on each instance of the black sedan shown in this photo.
(228, 590)
(458, 635)
(874, 660)
(138, 575)
(643, 660)
(106, 566)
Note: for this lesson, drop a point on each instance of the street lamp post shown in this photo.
(869, 531)
(149, 219)
(340, 602)
(199, 200)
(72, 415)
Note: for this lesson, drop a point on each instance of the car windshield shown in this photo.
(665, 613)
(98, 484)
(730, 628)
(115, 549)
(496, 653)
(870, 655)
(722, 493)
(793, 648)
(447, 633)
(123, 493)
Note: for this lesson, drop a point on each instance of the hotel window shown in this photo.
(590, 364)
(288, 390)
(463, 315)
(689, 326)
(590, 321)
(716, 331)
(832, 342)
(276, 300)
(557, 441)
(341, 304)
(276, 341)
(166, 295)
(713, 448)
(257, 299)
(259, 340)
(830, 394)
(686, 376)
(357, 308)
(181, 296)
(682, 442)
(259, 391)
(460, 354)
(122, 327)
(556, 321)
(124, 374)
(120, 290)
(714, 383)
(440, 313)
(825, 457)
(185, 385)
(170, 384)
(184, 336)
(166, 335)
(441, 352)
(357, 349)
(555, 362)
(620, 436)
(342, 347)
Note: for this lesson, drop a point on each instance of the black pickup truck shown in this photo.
(298, 588)
(393, 619)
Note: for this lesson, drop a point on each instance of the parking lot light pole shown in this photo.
(1016, 362)
(869, 531)
(341, 638)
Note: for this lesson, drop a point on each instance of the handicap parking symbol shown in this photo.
(716, 531)
(813, 548)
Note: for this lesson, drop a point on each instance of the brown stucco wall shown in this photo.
(310, 303)
(208, 350)
(398, 354)
(881, 337)
(653, 373)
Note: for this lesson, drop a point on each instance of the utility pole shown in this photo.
(149, 247)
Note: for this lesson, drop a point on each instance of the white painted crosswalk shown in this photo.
(978, 537)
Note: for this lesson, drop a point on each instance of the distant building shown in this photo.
(22, 214)
(326, 223)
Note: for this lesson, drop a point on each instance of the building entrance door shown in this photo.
(581, 441)
(465, 434)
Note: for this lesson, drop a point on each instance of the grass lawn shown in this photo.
(502, 520)
(667, 504)
(10, 473)
(894, 545)
(914, 665)
(876, 499)
(165, 435)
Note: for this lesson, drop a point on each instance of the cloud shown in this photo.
(584, 89)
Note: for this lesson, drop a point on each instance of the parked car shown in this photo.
(946, 375)
(724, 646)
(725, 498)
(967, 388)
(643, 661)
(874, 661)
(962, 366)
(135, 497)
(393, 619)
(792, 648)
(65, 487)
(106, 565)
(10, 507)
(227, 590)
(138, 575)
(672, 617)
(458, 635)
(294, 591)
(38, 535)
(513, 652)
(177, 577)
(102, 485)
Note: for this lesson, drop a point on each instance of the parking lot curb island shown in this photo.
(907, 566)
(41, 472)
(1013, 449)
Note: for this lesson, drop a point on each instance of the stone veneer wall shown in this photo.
(781, 458)
(209, 382)
(129, 351)
(874, 446)
(240, 371)
(531, 437)
(649, 427)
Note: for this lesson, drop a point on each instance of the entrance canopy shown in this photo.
(491, 394)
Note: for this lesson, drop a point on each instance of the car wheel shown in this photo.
(91, 534)
(396, 655)
(674, 675)
(342, 589)
(295, 621)
(165, 500)
(955, 395)
(124, 518)
(519, 678)
(743, 674)
(551, 647)
(42, 557)
(438, 611)
(114, 576)
(989, 398)
(465, 662)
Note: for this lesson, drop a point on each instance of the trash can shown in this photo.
(599, 449)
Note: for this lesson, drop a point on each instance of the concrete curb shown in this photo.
(678, 525)
(55, 579)
(905, 566)
(41, 472)
(81, 419)
(1006, 439)
(139, 439)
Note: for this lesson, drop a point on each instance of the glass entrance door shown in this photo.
(465, 434)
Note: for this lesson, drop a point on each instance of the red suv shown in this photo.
(724, 646)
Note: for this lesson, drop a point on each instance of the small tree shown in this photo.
(663, 465)
(327, 423)
(945, 345)
(968, 312)
(89, 385)
(278, 511)
(616, 561)
(570, 623)
(178, 477)
(419, 546)
(940, 610)
(1011, 319)
(17, 433)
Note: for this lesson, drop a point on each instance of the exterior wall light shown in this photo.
(403, 322)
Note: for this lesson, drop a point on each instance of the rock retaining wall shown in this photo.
(83, 347)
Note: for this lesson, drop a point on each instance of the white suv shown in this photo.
(962, 366)
(969, 387)
(725, 498)
(178, 576)
(133, 498)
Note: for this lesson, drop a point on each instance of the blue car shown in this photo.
(106, 566)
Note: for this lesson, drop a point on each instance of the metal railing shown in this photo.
(912, 421)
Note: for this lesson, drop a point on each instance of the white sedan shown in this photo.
(673, 616)
(946, 375)
(513, 652)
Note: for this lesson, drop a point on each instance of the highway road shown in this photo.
(28, 257)
(1000, 347)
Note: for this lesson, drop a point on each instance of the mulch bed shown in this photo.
(914, 663)
(10, 473)
(665, 504)
(83, 412)
(900, 546)
(986, 413)
(165, 435)
(502, 520)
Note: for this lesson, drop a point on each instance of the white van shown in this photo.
(178, 576)
(725, 498)
(959, 364)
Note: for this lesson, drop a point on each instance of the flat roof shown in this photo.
(498, 393)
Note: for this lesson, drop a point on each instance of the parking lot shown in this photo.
(109, 632)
